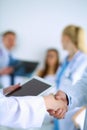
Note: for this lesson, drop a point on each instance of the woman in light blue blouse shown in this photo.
(72, 68)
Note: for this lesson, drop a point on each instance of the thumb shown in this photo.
(57, 97)
(17, 85)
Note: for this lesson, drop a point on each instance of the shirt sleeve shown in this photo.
(77, 94)
(1, 91)
(22, 112)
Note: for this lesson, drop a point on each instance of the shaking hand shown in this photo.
(55, 107)
(60, 113)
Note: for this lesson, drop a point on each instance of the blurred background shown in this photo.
(36, 32)
(39, 23)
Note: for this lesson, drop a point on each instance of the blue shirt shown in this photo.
(63, 68)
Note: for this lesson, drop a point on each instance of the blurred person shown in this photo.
(72, 68)
(51, 66)
(6, 60)
(28, 111)
(73, 96)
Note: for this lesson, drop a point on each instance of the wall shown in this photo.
(38, 23)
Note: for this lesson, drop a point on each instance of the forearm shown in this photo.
(77, 97)
(26, 112)
(77, 94)
(20, 111)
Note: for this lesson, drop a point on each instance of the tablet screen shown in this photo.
(32, 88)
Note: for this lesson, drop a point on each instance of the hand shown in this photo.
(60, 95)
(10, 89)
(53, 105)
(60, 113)
(7, 70)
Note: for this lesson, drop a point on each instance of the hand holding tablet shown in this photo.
(10, 89)
(34, 87)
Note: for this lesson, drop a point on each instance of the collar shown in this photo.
(4, 48)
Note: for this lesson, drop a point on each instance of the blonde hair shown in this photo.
(77, 36)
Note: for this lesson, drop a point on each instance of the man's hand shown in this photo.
(60, 95)
(7, 70)
(60, 113)
(56, 108)
(10, 89)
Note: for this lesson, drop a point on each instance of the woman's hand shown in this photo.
(10, 89)
(56, 108)
(60, 113)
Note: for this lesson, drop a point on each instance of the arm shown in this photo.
(22, 112)
(6, 71)
(77, 94)
(26, 112)
(74, 96)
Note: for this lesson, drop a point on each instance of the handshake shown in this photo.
(56, 105)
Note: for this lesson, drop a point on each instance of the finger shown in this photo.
(12, 88)
(16, 86)
(56, 115)
(62, 114)
(57, 94)
(58, 112)
(58, 97)
(51, 112)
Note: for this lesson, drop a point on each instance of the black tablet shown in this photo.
(35, 86)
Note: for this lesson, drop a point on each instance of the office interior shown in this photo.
(38, 27)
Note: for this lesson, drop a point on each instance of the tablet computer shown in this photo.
(35, 86)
